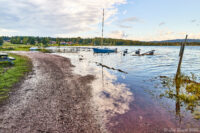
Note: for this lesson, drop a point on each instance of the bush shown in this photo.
(1, 41)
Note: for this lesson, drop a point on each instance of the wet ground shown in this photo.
(51, 99)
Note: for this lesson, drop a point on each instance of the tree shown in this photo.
(45, 41)
(18, 40)
(1, 41)
(58, 41)
(31, 40)
(25, 40)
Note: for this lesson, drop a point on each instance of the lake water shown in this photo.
(143, 96)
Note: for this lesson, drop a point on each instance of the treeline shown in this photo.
(1, 41)
(87, 41)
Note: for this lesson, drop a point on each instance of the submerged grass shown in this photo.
(185, 90)
(11, 74)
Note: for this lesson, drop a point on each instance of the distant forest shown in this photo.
(87, 41)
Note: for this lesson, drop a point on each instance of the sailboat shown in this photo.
(103, 50)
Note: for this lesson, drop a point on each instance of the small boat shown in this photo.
(104, 50)
(4, 57)
(34, 49)
(137, 52)
(125, 52)
(149, 53)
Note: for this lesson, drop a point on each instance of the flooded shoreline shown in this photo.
(50, 99)
(133, 105)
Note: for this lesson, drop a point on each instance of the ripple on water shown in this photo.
(131, 99)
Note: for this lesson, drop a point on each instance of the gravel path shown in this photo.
(50, 100)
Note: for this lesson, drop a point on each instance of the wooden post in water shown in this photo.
(181, 56)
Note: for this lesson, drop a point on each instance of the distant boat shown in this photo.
(103, 50)
(34, 49)
(149, 53)
(137, 53)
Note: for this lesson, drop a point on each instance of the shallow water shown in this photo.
(136, 101)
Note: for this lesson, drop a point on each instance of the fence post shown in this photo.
(181, 56)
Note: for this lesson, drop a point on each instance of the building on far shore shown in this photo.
(7, 40)
(52, 42)
(69, 43)
(63, 43)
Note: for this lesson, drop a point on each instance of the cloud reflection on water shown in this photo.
(108, 97)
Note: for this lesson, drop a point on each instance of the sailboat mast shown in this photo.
(102, 29)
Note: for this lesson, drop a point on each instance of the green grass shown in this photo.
(14, 47)
(21, 47)
(44, 50)
(12, 74)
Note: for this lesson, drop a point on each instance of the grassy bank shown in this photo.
(11, 74)
(14, 47)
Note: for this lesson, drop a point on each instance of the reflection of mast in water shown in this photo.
(102, 74)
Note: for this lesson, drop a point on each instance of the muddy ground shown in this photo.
(51, 99)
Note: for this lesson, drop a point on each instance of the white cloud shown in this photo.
(118, 34)
(131, 19)
(7, 32)
(171, 35)
(55, 16)
(125, 26)
(165, 34)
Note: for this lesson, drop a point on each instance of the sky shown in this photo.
(143, 20)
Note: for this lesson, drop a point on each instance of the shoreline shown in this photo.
(51, 99)
(109, 98)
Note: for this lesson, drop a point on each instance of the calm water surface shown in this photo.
(145, 99)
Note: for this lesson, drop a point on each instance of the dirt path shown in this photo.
(50, 100)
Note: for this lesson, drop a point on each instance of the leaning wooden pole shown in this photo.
(181, 56)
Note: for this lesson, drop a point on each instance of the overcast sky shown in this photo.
(144, 20)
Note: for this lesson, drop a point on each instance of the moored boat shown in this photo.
(104, 50)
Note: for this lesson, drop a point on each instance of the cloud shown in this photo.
(118, 34)
(165, 32)
(130, 19)
(50, 17)
(125, 26)
(162, 23)
(168, 34)
(193, 21)
(124, 12)
(111, 20)
(7, 32)
(125, 23)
